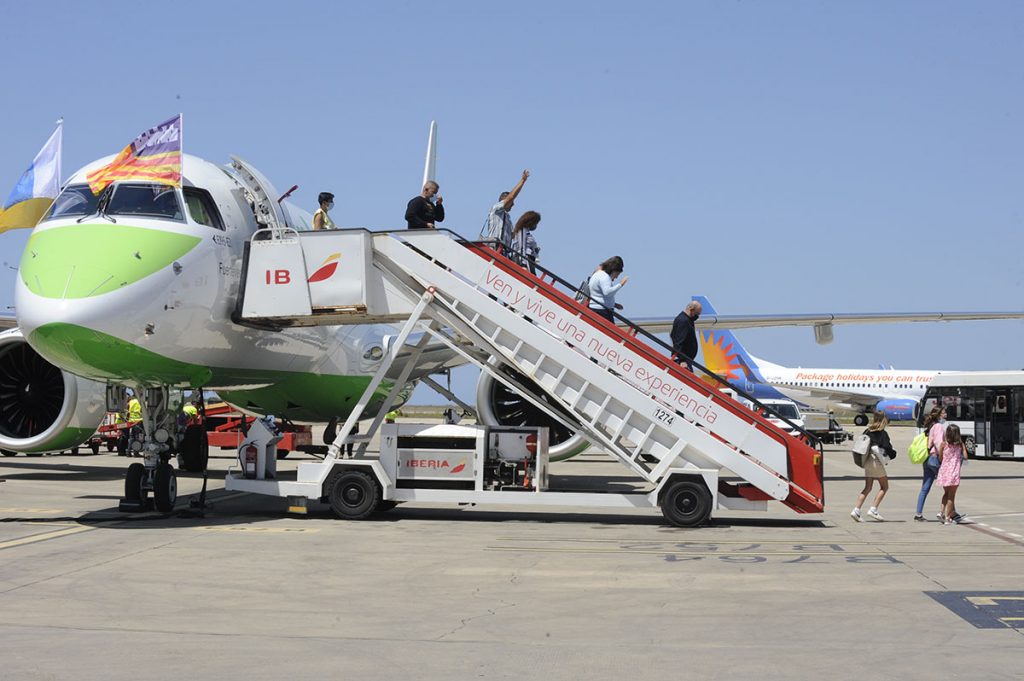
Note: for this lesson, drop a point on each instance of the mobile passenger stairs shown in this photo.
(699, 449)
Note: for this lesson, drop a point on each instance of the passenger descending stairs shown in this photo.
(621, 392)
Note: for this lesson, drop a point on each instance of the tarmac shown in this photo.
(447, 592)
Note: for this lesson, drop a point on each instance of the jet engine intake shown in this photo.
(497, 405)
(43, 409)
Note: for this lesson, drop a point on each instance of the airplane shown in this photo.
(895, 392)
(138, 287)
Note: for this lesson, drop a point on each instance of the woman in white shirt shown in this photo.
(602, 288)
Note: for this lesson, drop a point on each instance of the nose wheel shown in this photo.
(140, 481)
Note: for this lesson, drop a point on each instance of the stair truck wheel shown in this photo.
(860, 420)
(355, 495)
(134, 482)
(195, 449)
(95, 447)
(686, 503)
(165, 487)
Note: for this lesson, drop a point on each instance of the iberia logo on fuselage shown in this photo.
(326, 269)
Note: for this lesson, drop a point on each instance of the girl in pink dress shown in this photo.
(951, 455)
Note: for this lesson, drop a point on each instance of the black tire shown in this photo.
(686, 503)
(74, 451)
(283, 453)
(95, 447)
(860, 420)
(165, 488)
(194, 449)
(134, 482)
(7, 452)
(355, 495)
(110, 446)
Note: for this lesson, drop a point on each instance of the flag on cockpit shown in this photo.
(154, 156)
(37, 188)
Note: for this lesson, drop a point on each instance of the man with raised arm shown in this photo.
(499, 225)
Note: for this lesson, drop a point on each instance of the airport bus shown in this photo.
(988, 406)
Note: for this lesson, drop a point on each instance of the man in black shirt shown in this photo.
(684, 335)
(422, 213)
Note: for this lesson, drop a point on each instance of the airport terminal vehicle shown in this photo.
(696, 449)
(862, 391)
(988, 406)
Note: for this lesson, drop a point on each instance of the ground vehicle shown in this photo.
(825, 427)
(224, 430)
(624, 394)
(988, 407)
(789, 411)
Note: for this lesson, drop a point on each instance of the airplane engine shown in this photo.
(898, 410)
(496, 405)
(43, 409)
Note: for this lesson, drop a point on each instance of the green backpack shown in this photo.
(918, 451)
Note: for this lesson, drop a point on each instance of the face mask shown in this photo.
(330, 205)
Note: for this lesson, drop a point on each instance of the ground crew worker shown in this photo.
(134, 410)
(191, 413)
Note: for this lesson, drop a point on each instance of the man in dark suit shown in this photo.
(684, 335)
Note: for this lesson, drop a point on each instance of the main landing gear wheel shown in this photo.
(135, 483)
(355, 495)
(860, 420)
(194, 449)
(686, 503)
(165, 488)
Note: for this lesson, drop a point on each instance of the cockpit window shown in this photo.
(147, 200)
(76, 200)
(201, 208)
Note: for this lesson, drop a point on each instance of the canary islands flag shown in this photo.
(154, 156)
(37, 188)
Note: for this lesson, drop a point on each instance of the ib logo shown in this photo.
(326, 269)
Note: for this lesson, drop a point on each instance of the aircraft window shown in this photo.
(75, 200)
(148, 200)
(202, 209)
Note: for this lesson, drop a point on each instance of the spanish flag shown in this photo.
(154, 156)
(37, 188)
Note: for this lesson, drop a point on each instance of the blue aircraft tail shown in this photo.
(724, 355)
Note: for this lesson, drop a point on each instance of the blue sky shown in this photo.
(776, 157)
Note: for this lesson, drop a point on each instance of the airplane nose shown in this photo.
(76, 281)
(83, 261)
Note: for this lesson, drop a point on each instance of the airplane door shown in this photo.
(1001, 432)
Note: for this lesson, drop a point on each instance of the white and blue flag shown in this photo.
(38, 187)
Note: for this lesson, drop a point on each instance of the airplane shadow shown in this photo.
(39, 470)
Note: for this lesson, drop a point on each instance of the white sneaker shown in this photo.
(855, 514)
(873, 512)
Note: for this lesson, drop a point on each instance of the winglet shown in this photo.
(430, 167)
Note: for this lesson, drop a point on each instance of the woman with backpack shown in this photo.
(951, 456)
(935, 427)
(874, 466)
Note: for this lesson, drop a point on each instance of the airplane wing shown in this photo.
(752, 321)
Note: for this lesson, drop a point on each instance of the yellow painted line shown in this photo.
(243, 528)
(44, 537)
(994, 600)
(31, 510)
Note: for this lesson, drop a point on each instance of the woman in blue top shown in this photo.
(602, 290)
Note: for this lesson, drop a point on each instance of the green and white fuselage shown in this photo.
(144, 295)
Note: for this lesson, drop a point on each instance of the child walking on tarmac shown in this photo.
(951, 456)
